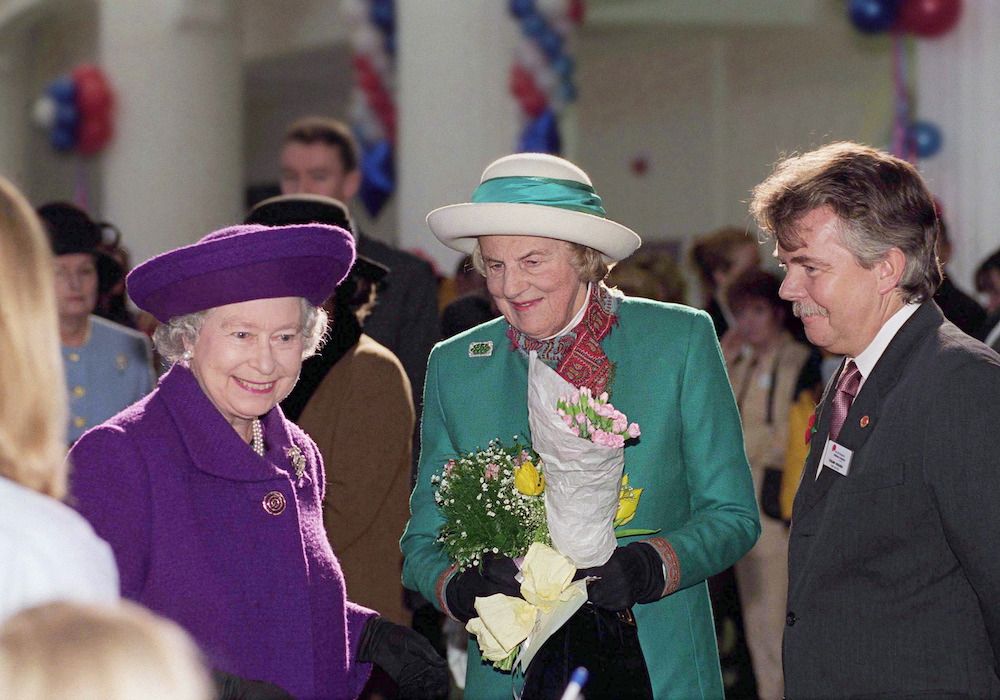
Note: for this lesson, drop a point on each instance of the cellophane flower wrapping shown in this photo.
(582, 478)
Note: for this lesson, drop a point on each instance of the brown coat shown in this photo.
(361, 417)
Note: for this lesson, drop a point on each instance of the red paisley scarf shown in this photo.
(577, 355)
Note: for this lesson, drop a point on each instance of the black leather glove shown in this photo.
(230, 687)
(406, 657)
(497, 576)
(633, 574)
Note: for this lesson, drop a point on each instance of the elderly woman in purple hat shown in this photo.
(211, 499)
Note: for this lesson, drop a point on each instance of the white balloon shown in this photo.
(529, 55)
(43, 112)
(366, 40)
(552, 8)
(546, 78)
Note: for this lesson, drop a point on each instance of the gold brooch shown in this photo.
(297, 459)
(121, 362)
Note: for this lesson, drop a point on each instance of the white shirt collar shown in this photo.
(868, 358)
(576, 319)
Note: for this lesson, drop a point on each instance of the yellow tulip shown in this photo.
(628, 501)
(529, 480)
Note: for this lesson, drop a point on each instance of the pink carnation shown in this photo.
(449, 465)
(633, 430)
(601, 437)
(492, 470)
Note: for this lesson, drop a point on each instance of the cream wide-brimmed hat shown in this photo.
(534, 194)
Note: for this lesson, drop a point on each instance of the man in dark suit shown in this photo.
(894, 551)
(988, 284)
(320, 156)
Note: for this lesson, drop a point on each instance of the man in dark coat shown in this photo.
(320, 156)
(894, 581)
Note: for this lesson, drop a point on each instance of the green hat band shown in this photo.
(545, 191)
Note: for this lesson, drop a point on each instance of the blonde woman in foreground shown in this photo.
(49, 551)
(98, 652)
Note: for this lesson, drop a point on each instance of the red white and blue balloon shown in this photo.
(77, 110)
(541, 76)
(372, 111)
(911, 139)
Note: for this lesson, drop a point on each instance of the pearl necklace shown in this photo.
(257, 437)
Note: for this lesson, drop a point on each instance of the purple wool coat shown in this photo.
(192, 514)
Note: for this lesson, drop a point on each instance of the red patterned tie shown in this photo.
(847, 389)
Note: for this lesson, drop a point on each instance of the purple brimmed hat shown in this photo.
(241, 263)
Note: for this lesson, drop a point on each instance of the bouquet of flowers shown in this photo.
(491, 501)
(593, 418)
(582, 444)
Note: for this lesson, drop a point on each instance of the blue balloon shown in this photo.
(564, 66)
(522, 8)
(378, 176)
(873, 16)
(533, 25)
(67, 116)
(62, 139)
(383, 15)
(62, 90)
(923, 138)
(541, 135)
(550, 42)
(567, 91)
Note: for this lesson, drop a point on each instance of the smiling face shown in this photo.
(842, 305)
(247, 357)
(316, 168)
(533, 282)
(76, 285)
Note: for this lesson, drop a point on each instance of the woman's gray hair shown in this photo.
(171, 339)
(588, 263)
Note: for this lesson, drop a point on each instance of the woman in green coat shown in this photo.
(538, 232)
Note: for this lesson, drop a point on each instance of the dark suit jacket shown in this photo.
(959, 308)
(894, 570)
(405, 318)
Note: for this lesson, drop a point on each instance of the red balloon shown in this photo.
(85, 71)
(929, 18)
(92, 97)
(93, 136)
(520, 79)
(532, 101)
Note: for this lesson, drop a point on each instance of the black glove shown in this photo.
(497, 576)
(230, 687)
(406, 657)
(633, 574)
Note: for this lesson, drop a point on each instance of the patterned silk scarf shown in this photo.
(577, 355)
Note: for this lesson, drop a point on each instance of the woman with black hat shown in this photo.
(107, 365)
(211, 499)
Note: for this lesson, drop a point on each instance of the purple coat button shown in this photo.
(274, 503)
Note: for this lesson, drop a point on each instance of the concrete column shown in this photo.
(174, 170)
(456, 114)
(15, 106)
(957, 89)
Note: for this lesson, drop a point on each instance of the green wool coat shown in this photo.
(689, 460)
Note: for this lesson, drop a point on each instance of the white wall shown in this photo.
(711, 110)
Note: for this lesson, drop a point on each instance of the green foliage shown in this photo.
(483, 510)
